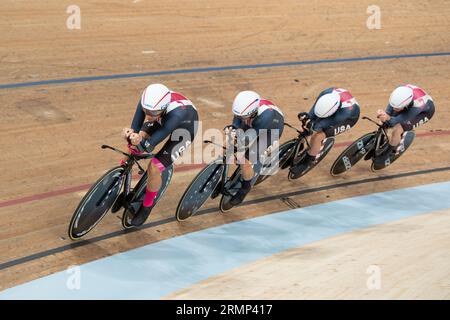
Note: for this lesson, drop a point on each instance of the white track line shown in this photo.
(211, 103)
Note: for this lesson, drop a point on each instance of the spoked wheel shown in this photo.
(135, 213)
(353, 153)
(277, 161)
(200, 190)
(405, 143)
(327, 144)
(231, 187)
(96, 203)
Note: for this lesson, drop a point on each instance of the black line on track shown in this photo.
(81, 243)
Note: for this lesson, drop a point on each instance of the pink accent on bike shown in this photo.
(122, 162)
(133, 151)
(149, 197)
(158, 163)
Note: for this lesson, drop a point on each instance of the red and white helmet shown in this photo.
(401, 97)
(155, 99)
(246, 104)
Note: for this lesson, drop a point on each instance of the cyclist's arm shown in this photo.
(321, 123)
(237, 122)
(312, 116)
(307, 119)
(149, 128)
(138, 119)
(405, 116)
(263, 121)
(389, 110)
(159, 135)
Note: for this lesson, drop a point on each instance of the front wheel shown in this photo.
(199, 190)
(353, 153)
(96, 203)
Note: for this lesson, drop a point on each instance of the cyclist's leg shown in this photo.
(329, 127)
(258, 153)
(396, 134)
(178, 141)
(156, 166)
(342, 122)
(252, 161)
(244, 159)
(316, 142)
(390, 148)
(403, 124)
(239, 158)
(337, 124)
(247, 170)
(269, 158)
(154, 170)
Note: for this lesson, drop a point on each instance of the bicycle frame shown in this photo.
(301, 139)
(224, 178)
(132, 159)
(379, 135)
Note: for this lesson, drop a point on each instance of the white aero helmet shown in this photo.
(155, 99)
(401, 97)
(327, 104)
(246, 104)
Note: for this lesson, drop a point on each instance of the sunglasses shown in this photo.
(152, 113)
(252, 115)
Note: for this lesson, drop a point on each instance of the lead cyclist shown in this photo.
(161, 113)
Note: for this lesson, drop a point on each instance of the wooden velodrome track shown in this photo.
(51, 133)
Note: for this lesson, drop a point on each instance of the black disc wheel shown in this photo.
(96, 203)
(353, 153)
(200, 189)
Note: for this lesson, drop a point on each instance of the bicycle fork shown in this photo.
(110, 188)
